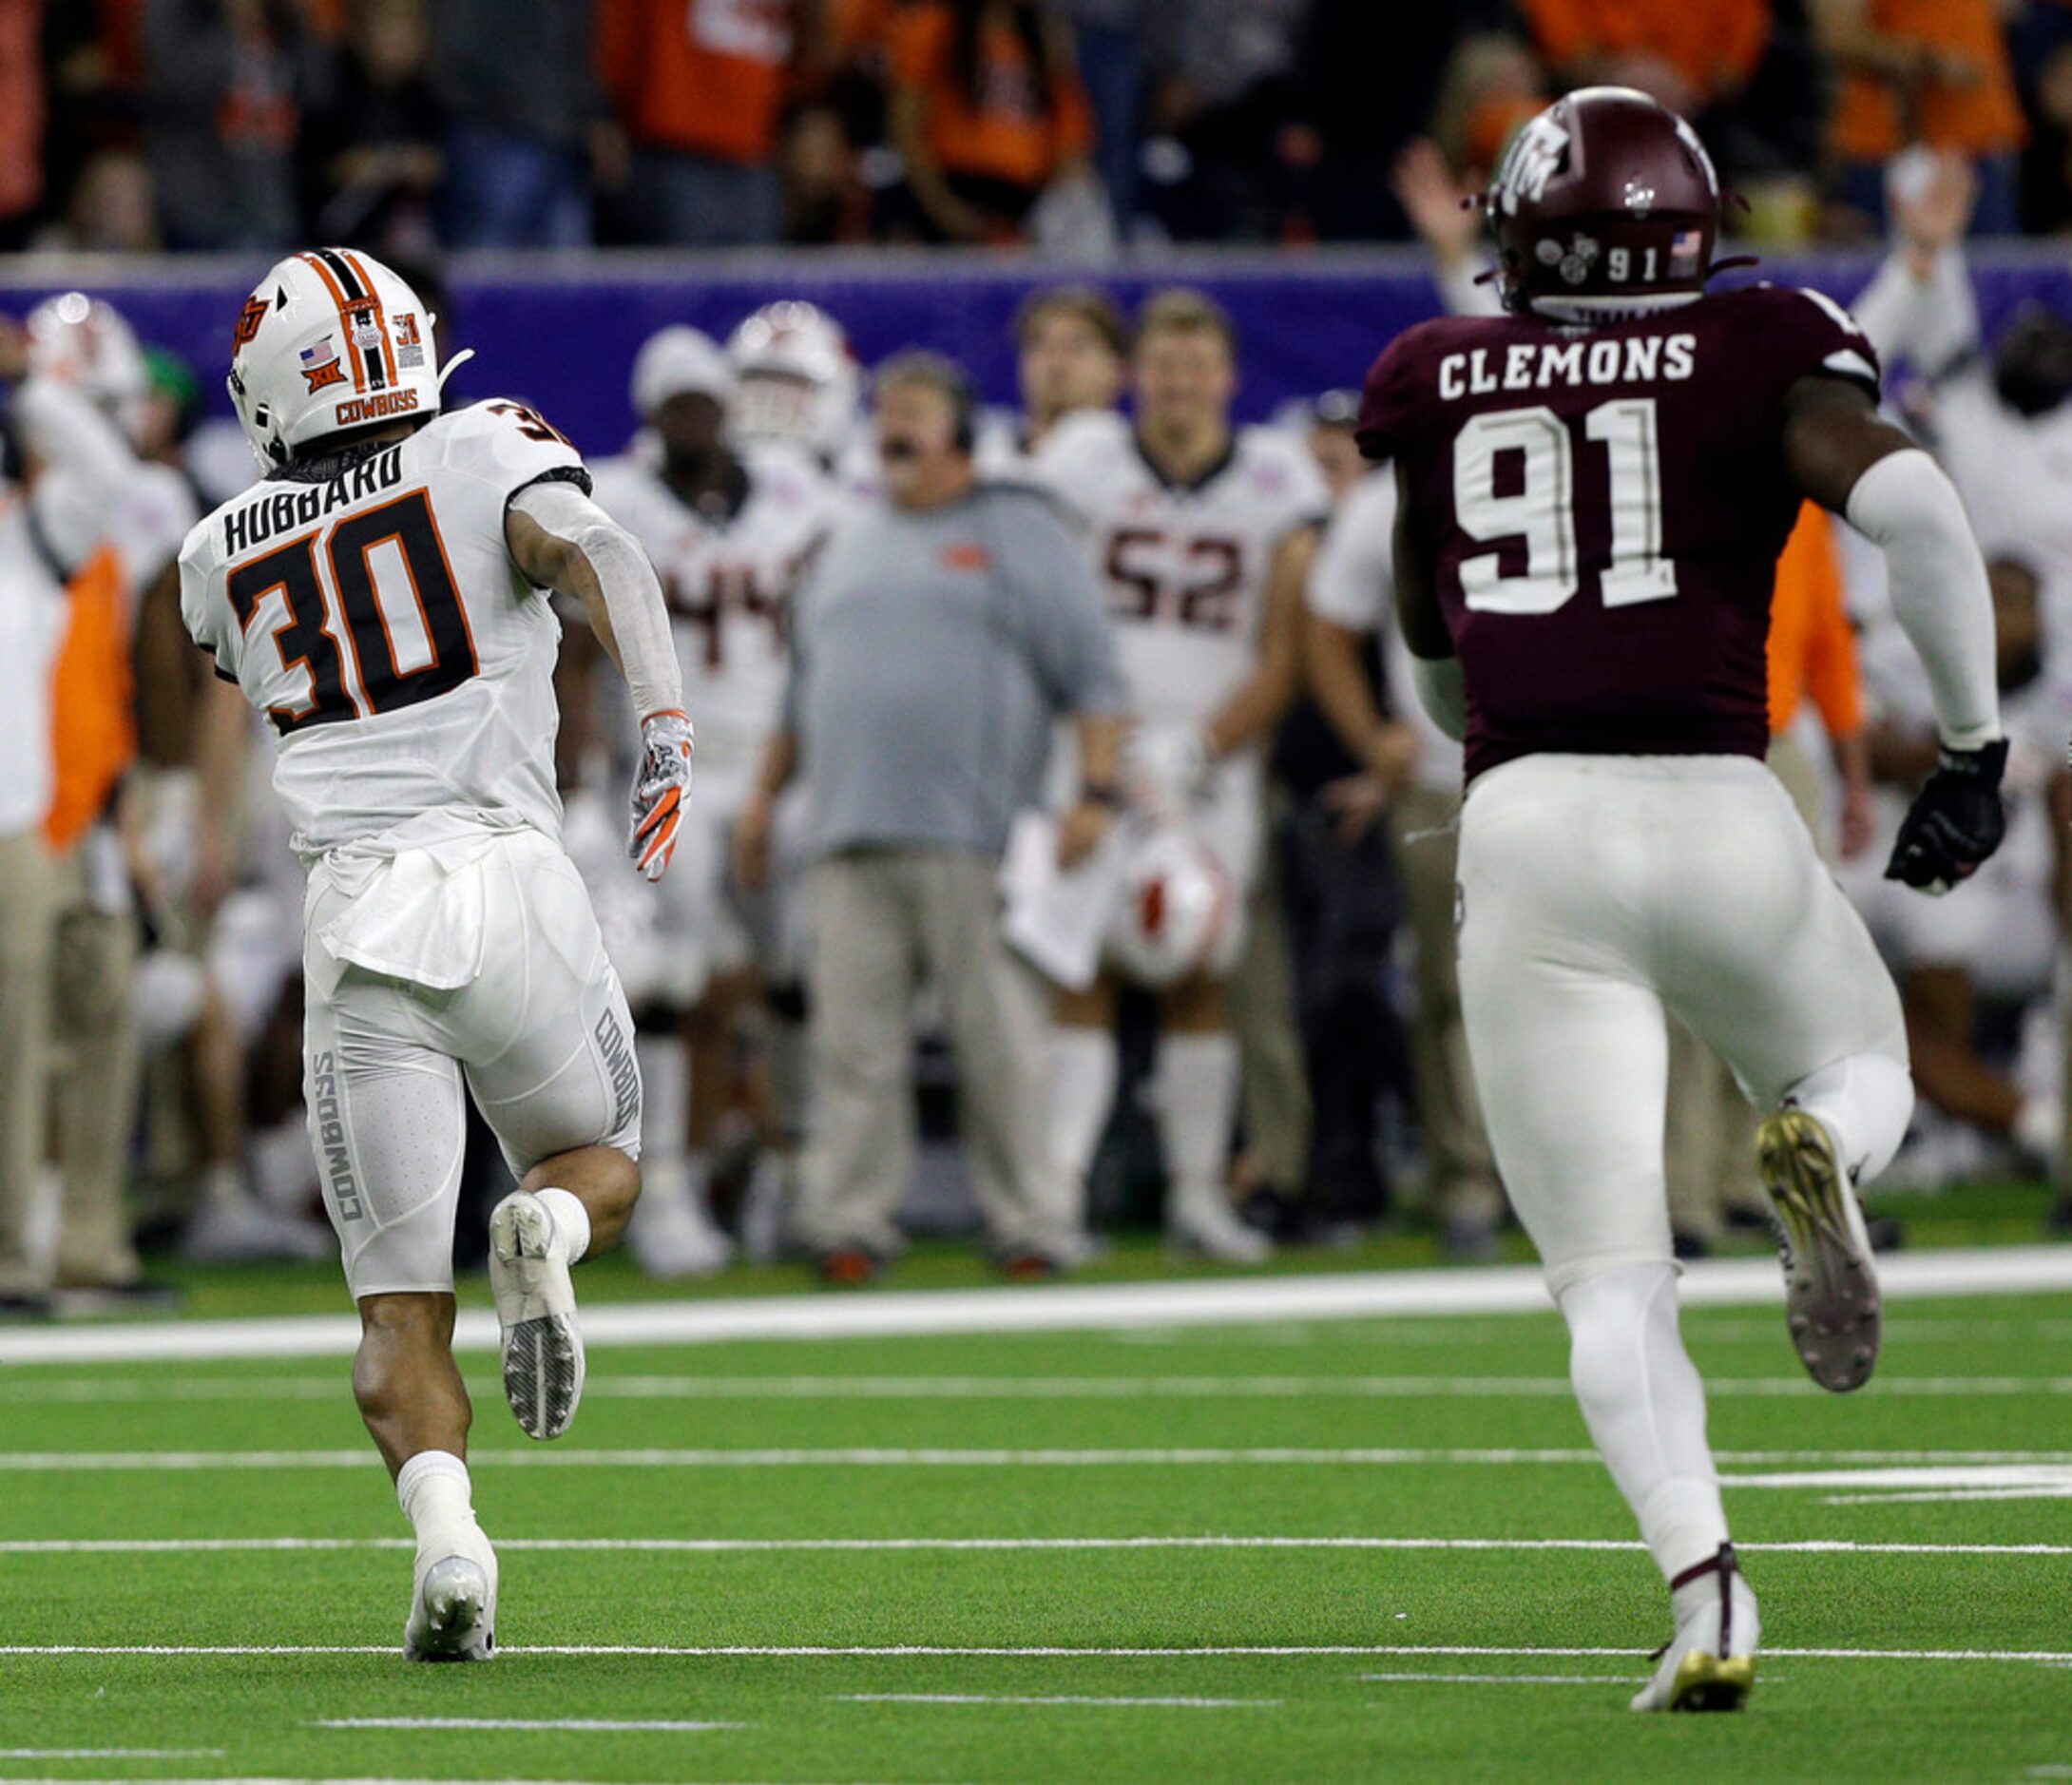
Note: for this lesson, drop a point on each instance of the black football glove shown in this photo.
(1955, 822)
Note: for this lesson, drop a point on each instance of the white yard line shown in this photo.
(1064, 1308)
(866, 1546)
(1497, 1679)
(66, 1462)
(1104, 1704)
(110, 1753)
(1033, 1652)
(612, 1725)
(60, 1391)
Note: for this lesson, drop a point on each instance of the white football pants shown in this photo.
(1595, 892)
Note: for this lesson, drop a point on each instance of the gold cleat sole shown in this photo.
(1832, 1298)
(1704, 1682)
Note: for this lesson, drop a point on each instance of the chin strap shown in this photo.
(1726, 1566)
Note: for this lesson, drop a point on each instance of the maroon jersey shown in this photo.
(1603, 509)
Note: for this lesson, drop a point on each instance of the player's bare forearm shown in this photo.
(1832, 434)
(1417, 608)
(779, 764)
(1251, 714)
(1100, 738)
(563, 541)
(167, 667)
(1338, 682)
(551, 562)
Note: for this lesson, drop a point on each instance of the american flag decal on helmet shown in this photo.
(321, 366)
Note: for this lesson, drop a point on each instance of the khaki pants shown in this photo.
(96, 1069)
(1278, 1112)
(883, 921)
(28, 896)
(1463, 1185)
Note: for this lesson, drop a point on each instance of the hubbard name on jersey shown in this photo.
(1602, 510)
(367, 603)
(1187, 566)
(728, 578)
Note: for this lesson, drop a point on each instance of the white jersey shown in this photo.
(1187, 566)
(369, 605)
(728, 579)
(1353, 585)
(156, 511)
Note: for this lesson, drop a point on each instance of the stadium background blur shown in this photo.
(917, 168)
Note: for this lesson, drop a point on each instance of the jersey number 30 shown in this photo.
(408, 633)
(1540, 507)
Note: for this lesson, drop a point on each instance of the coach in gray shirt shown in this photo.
(942, 633)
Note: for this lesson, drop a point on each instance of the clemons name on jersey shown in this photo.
(367, 602)
(1187, 566)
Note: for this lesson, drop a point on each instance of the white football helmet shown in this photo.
(676, 361)
(799, 380)
(85, 342)
(331, 342)
(1175, 910)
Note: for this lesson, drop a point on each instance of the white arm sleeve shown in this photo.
(633, 600)
(1443, 690)
(1906, 507)
(1929, 323)
(86, 464)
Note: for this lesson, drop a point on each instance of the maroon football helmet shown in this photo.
(1605, 195)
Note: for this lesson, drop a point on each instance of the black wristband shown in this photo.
(1987, 764)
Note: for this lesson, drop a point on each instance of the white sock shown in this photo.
(570, 1218)
(435, 1494)
(2039, 1127)
(1865, 1101)
(1194, 1084)
(665, 1101)
(1082, 1075)
(1645, 1407)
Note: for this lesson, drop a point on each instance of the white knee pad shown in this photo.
(1865, 1101)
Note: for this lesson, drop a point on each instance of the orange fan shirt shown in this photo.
(93, 701)
(1005, 136)
(706, 76)
(1813, 647)
(1711, 43)
(1978, 117)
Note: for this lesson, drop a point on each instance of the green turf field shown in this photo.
(1273, 1552)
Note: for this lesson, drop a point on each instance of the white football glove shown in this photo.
(660, 788)
(1169, 769)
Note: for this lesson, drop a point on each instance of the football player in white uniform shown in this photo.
(382, 595)
(1072, 348)
(729, 532)
(1206, 535)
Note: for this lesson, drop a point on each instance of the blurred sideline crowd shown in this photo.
(1284, 1060)
(406, 125)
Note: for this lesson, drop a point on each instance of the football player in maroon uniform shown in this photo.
(1594, 489)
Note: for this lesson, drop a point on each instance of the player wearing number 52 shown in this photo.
(382, 596)
(1594, 489)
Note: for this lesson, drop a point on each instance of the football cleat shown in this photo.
(536, 1307)
(1710, 1664)
(452, 1612)
(1831, 1286)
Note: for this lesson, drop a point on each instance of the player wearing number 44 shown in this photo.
(382, 596)
(1594, 489)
